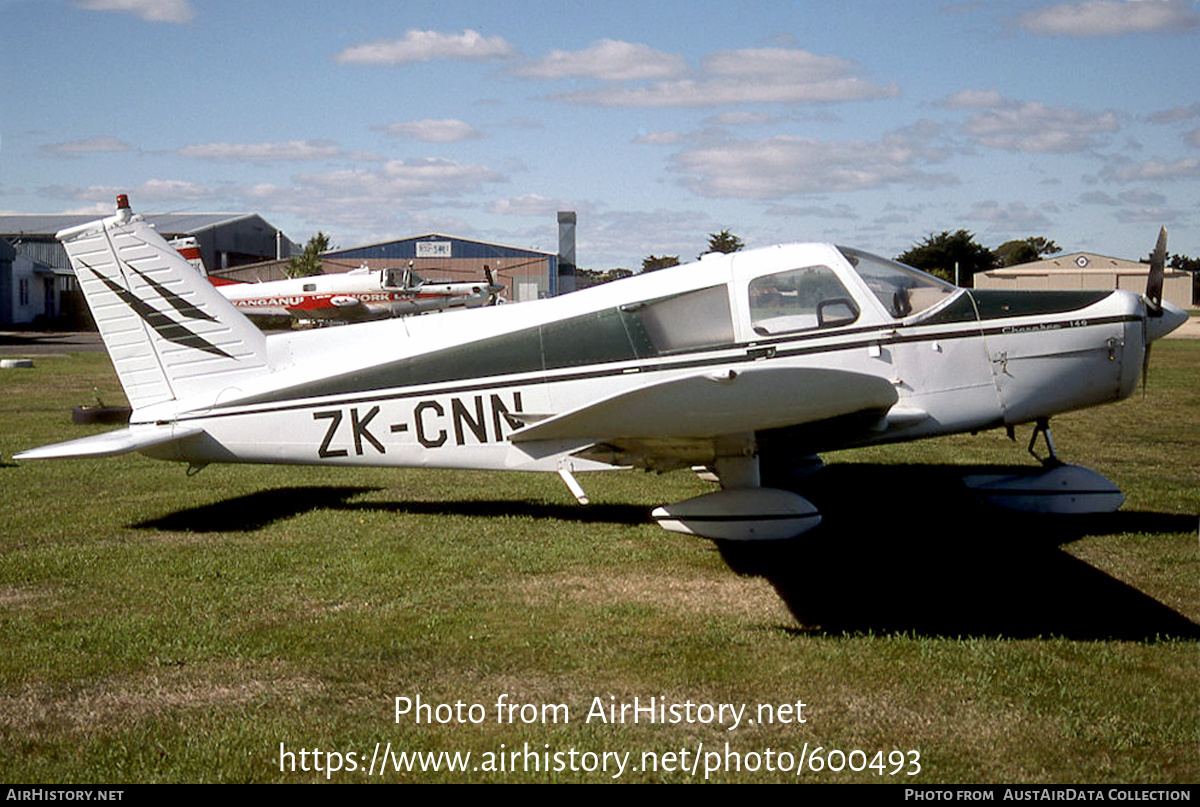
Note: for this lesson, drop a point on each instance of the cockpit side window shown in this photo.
(902, 289)
(401, 279)
(799, 300)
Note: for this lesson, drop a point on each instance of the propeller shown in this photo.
(1154, 295)
(494, 288)
(1154, 284)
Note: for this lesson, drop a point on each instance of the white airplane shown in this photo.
(358, 295)
(747, 364)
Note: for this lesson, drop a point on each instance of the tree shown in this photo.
(938, 254)
(653, 263)
(724, 241)
(1183, 263)
(308, 263)
(1024, 250)
(586, 278)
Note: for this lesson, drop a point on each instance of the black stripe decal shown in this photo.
(163, 325)
(885, 335)
(178, 303)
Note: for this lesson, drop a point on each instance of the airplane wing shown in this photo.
(109, 444)
(674, 420)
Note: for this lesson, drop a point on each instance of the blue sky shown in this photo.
(871, 124)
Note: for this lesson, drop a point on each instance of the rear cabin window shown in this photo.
(799, 300)
(696, 319)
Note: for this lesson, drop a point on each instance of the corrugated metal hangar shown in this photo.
(225, 239)
(36, 283)
(1086, 270)
(526, 274)
(31, 291)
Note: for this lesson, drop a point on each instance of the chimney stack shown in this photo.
(566, 252)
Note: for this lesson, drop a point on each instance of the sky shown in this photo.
(869, 124)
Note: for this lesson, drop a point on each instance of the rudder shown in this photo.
(170, 334)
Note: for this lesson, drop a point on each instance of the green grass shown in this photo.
(165, 628)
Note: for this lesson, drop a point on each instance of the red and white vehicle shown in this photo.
(357, 295)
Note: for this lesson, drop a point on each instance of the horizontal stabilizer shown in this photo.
(733, 401)
(110, 444)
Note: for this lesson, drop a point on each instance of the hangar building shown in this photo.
(1089, 271)
(31, 291)
(526, 274)
(36, 280)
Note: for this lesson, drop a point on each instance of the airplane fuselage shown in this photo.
(745, 364)
(354, 296)
(451, 391)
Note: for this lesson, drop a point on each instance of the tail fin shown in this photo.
(170, 334)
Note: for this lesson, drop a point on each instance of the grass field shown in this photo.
(165, 628)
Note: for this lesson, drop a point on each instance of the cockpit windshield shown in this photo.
(401, 279)
(902, 289)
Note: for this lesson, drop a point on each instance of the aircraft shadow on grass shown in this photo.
(902, 549)
(254, 511)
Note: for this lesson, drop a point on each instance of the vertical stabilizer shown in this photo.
(170, 334)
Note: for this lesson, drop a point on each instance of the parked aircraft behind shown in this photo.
(358, 295)
(747, 364)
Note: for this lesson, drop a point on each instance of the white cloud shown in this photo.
(434, 131)
(1143, 197)
(364, 205)
(399, 180)
(173, 11)
(751, 75)
(1176, 114)
(153, 190)
(76, 148)
(741, 118)
(813, 211)
(158, 190)
(425, 46)
(606, 60)
(1147, 215)
(1110, 18)
(1030, 126)
(625, 237)
(533, 204)
(782, 166)
(289, 151)
(1013, 217)
(1154, 171)
(659, 138)
(972, 99)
